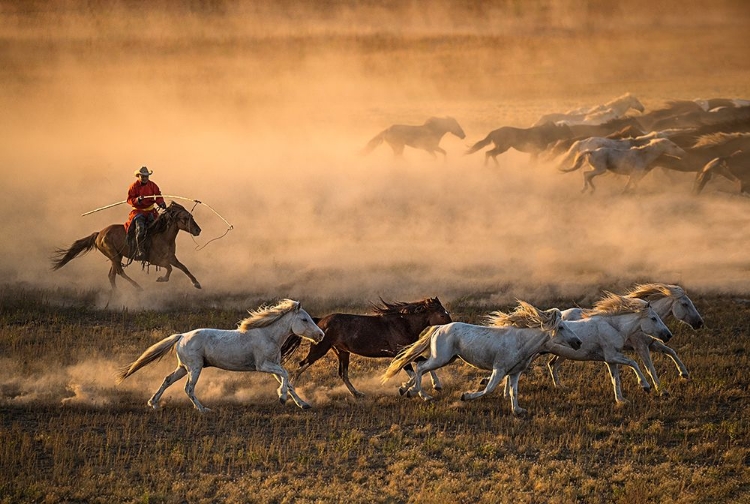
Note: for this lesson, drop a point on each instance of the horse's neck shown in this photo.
(625, 323)
(663, 307)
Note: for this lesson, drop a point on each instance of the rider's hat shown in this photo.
(143, 171)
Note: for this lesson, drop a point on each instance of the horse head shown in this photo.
(635, 103)
(552, 321)
(184, 219)
(454, 127)
(304, 326)
(437, 314)
(684, 310)
(652, 324)
(670, 148)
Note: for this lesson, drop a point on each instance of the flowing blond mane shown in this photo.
(267, 315)
(614, 304)
(653, 291)
(525, 316)
(718, 139)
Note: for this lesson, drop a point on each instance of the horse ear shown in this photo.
(297, 305)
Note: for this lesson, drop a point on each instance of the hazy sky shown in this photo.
(260, 109)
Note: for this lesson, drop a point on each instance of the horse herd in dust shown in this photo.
(706, 137)
(420, 337)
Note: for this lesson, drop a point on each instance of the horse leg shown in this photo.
(120, 271)
(436, 384)
(193, 375)
(554, 365)
(409, 370)
(588, 177)
(344, 372)
(624, 360)
(492, 384)
(177, 264)
(285, 387)
(614, 374)
(658, 346)
(432, 363)
(513, 381)
(642, 350)
(168, 382)
(493, 153)
(316, 352)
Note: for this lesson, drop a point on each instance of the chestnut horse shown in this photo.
(392, 327)
(112, 242)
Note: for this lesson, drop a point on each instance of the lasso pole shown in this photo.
(230, 227)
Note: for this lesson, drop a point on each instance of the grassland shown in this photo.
(77, 437)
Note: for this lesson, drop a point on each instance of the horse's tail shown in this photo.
(479, 145)
(62, 257)
(377, 140)
(154, 352)
(581, 158)
(408, 354)
(291, 344)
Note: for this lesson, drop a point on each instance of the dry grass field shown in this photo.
(69, 433)
(260, 109)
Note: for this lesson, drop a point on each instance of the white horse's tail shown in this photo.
(581, 158)
(408, 354)
(377, 140)
(154, 352)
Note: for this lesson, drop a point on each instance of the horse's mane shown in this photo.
(267, 315)
(402, 308)
(613, 304)
(625, 97)
(713, 139)
(525, 316)
(653, 291)
(165, 219)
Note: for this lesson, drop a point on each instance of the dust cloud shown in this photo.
(260, 110)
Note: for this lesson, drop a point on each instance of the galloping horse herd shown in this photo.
(423, 333)
(708, 137)
(705, 137)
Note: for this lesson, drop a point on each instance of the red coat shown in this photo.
(147, 205)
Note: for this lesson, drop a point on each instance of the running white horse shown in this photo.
(667, 301)
(605, 329)
(505, 350)
(634, 162)
(598, 114)
(592, 143)
(254, 346)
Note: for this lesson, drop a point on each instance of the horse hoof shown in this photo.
(282, 400)
(162, 279)
(438, 388)
(402, 391)
(154, 405)
(685, 377)
(647, 390)
(197, 285)
(519, 412)
(464, 397)
(664, 393)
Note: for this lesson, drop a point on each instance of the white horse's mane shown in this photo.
(614, 304)
(718, 138)
(525, 316)
(655, 291)
(267, 315)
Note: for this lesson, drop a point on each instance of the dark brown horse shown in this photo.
(392, 327)
(530, 140)
(112, 242)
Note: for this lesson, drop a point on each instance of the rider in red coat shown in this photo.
(144, 207)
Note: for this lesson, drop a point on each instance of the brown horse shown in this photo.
(530, 140)
(392, 327)
(112, 242)
(426, 137)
